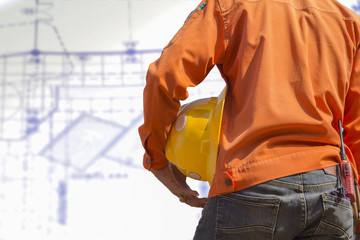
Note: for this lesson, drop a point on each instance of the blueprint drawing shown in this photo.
(72, 74)
(70, 104)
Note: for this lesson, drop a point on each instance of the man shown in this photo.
(292, 68)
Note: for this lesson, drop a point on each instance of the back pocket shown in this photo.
(336, 221)
(246, 217)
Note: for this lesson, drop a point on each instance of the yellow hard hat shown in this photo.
(193, 141)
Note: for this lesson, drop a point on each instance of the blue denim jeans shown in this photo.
(300, 206)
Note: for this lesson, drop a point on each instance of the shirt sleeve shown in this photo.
(184, 62)
(352, 113)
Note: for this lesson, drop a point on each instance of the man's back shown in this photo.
(292, 68)
(288, 65)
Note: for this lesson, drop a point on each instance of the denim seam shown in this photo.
(275, 201)
(305, 188)
(268, 230)
(276, 214)
(218, 208)
(303, 203)
(322, 215)
(248, 226)
(335, 226)
(340, 204)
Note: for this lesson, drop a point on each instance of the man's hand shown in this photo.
(175, 181)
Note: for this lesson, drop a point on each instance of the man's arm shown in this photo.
(184, 62)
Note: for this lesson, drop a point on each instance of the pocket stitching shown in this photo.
(250, 199)
(326, 199)
(268, 228)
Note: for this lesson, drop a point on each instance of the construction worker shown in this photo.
(292, 70)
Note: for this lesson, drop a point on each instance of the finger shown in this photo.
(180, 190)
(190, 192)
(196, 202)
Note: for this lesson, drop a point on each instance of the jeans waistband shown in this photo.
(310, 181)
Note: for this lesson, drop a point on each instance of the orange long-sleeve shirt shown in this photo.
(292, 68)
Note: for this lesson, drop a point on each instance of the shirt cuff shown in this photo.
(150, 163)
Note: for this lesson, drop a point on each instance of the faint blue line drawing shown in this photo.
(204, 188)
(116, 150)
(356, 7)
(33, 97)
(62, 202)
(33, 121)
(82, 142)
(83, 105)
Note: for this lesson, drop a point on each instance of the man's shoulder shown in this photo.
(344, 11)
